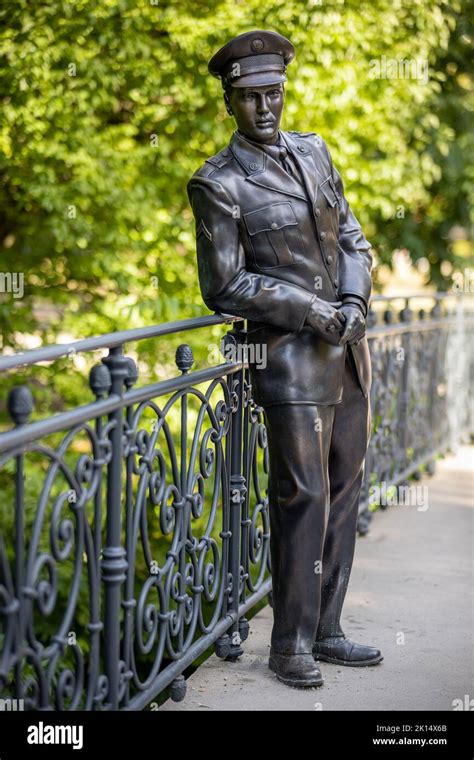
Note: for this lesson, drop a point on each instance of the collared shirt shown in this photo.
(281, 155)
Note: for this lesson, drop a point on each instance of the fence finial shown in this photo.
(184, 357)
(20, 404)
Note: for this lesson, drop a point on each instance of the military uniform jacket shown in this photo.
(267, 246)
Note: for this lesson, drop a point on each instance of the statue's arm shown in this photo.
(355, 257)
(226, 285)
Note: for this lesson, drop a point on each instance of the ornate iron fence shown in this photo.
(135, 528)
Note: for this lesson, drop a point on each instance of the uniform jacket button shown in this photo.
(317, 211)
(253, 166)
(329, 259)
(323, 236)
(274, 226)
(301, 149)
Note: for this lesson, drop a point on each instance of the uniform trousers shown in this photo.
(316, 457)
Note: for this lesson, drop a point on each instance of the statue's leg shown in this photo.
(350, 436)
(299, 436)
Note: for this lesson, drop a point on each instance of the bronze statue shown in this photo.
(278, 244)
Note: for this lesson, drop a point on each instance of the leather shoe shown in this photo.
(341, 651)
(297, 670)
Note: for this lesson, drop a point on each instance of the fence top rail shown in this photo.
(419, 296)
(110, 340)
(33, 431)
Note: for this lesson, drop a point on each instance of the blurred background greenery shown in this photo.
(107, 110)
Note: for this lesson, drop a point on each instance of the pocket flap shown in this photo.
(270, 218)
(329, 191)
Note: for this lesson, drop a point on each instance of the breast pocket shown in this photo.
(328, 189)
(333, 201)
(275, 236)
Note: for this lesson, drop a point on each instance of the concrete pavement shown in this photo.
(410, 594)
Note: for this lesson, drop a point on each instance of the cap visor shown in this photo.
(259, 79)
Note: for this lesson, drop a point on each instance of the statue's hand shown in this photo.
(326, 320)
(354, 327)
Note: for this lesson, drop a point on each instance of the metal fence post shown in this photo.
(114, 564)
(20, 407)
(237, 485)
(406, 317)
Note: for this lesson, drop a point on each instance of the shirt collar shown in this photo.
(263, 146)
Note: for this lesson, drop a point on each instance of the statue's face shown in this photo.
(257, 111)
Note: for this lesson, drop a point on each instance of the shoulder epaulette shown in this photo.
(220, 159)
(318, 139)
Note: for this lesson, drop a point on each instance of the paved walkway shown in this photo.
(410, 594)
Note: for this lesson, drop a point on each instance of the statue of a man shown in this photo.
(278, 244)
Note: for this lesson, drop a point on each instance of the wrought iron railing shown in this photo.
(135, 528)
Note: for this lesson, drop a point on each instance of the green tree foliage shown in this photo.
(108, 109)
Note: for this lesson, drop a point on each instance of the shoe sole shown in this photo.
(296, 683)
(348, 663)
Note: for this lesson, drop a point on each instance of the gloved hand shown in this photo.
(354, 327)
(326, 320)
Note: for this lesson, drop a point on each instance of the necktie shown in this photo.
(284, 160)
(280, 154)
